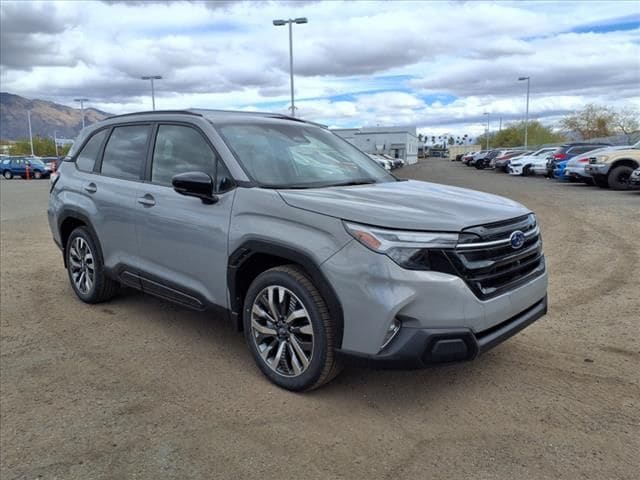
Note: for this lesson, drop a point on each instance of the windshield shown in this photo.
(36, 162)
(299, 156)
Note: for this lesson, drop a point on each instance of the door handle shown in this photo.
(91, 187)
(147, 200)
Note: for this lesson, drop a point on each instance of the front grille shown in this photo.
(490, 265)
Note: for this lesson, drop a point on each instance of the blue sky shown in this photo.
(437, 65)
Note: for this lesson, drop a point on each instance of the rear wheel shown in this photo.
(37, 175)
(86, 270)
(289, 331)
(8, 174)
(618, 178)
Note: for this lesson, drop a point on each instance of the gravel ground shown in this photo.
(138, 388)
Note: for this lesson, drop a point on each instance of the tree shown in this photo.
(591, 122)
(420, 137)
(42, 146)
(627, 121)
(451, 141)
(596, 121)
(512, 135)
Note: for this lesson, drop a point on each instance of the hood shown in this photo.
(408, 205)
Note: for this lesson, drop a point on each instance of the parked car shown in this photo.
(467, 157)
(237, 212)
(575, 168)
(613, 168)
(502, 163)
(485, 162)
(523, 165)
(477, 156)
(383, 162)
(634, 179)
(17, 167)
(567, 152)
(559, 171)
(51, 162)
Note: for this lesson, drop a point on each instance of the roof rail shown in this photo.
(169, 112)
(281, 116)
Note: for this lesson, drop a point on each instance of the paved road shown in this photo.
(138, 388)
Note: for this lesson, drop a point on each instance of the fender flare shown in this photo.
(292, 254)
(68, 213)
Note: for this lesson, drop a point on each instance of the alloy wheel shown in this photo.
(281, 330)
(82, 265)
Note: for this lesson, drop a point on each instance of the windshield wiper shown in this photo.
(362, 181)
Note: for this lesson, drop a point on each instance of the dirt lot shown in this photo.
(137, 388)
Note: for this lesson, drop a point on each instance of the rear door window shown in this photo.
(125, 152)
(89, 154)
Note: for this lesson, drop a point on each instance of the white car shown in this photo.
(380, 160)
(536, 162)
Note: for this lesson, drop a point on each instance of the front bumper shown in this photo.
(373, 291)
(419, 348)
(516, 169)
(597, 169)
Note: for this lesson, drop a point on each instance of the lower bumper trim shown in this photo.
(419, 348)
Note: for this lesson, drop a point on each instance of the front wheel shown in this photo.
(619, 178)
(289, 330)
(8, 174)
(526, 171)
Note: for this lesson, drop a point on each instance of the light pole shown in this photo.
(488, 116)
(153, 93)
(280, 23)
(55, 142)
(30, 134)
(81, 100)
(526, 116)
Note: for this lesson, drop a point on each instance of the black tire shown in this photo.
(103, 288)
(526, 171)
(8, 174)
(600, 181)
(37, 175)
(323, 365)
(618, 178)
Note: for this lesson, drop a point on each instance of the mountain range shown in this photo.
(46, 118)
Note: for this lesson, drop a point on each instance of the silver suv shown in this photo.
(316, 252)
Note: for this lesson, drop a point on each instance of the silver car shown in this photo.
(316, 252)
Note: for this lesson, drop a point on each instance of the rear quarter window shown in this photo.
(87, 157)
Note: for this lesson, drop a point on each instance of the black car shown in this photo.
(485, 161)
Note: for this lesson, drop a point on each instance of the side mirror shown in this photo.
(195, 184)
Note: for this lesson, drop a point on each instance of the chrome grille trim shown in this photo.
(491, 266)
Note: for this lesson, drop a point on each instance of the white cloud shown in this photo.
(385, 61)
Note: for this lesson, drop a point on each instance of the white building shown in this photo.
(398, 142)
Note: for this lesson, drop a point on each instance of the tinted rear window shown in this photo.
(125, 152)
(89, 154)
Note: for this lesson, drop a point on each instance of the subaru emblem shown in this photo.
(516, 239)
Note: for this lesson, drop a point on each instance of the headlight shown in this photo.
(601, 158)
(408, 249)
